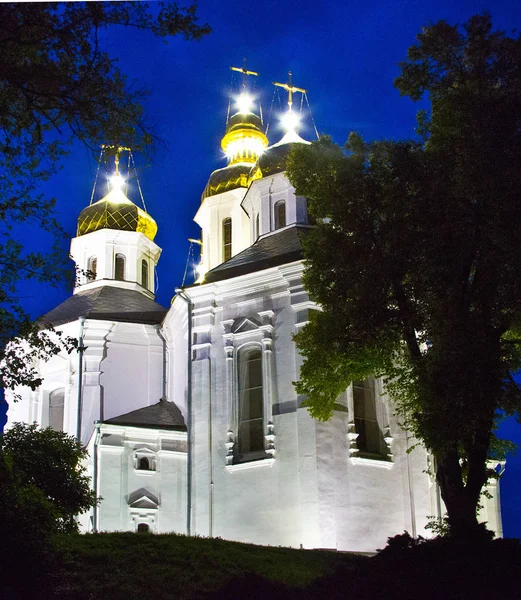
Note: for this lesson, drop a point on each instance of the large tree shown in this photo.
(416, 258)
(58, 85)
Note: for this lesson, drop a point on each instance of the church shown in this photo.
(189, 413)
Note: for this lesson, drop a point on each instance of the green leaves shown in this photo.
(416, 258)
(52, 462)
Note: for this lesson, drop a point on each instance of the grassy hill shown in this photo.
(128, 566)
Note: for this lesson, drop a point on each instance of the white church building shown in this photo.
(189, 413)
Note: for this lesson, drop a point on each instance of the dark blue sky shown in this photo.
(344, 53)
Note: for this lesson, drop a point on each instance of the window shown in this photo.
(251, 405)
(144, 464)
(227, 239)
(257, 227)
(143, 528)
(119, 267)
(92, 267)
(370, 439)
(144, 274)
(56, 402)
(280, 214)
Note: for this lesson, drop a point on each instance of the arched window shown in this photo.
(251, 404)
(144, 274)
(227, 239)
(56, 403)
(92, 268)
(144, 464)
(280, 214)
(119, 267)
(370, 439)
(143, 528)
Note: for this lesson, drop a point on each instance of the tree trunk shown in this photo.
(461, 492)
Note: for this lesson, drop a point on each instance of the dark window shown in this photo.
(119, 267)
(251, 404)
(144, 464)
(143, 528)
(144, 273)
(56, 403)
(257, 227)
(280, 214)
(370, 439)
(92, 268)
(227, 239)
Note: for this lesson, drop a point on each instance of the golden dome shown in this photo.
(243, 143)
(116, 211)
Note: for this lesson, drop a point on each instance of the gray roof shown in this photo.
(163, 415)
(107, 303)
(271, 250)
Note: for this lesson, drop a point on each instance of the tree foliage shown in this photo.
(57, 85)
(51, 461)
(424, 283)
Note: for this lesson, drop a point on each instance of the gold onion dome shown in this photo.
(116, 211)
(243, 143)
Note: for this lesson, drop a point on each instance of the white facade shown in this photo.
(248, 463)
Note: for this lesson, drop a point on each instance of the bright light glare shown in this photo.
(290, 121)
(244, 103)
(246, 148)
(116, 181)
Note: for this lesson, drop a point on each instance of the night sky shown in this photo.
(344, 53)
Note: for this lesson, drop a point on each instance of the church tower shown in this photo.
(223, 222)
(114, 244)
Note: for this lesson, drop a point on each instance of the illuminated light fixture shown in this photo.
(290, 121)
(116, 181)
(247, 149)
(244, 103)
(200, 271)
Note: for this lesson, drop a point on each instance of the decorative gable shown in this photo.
(143, 499)
(245, 324)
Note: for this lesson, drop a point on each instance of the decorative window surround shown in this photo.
(150, 455)
(378, 460)
(142, 516)
(253, 464)
(238, 333)
(372, 462)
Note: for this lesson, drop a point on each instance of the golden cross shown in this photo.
(117, 150)
(244, 72)
(290, 88)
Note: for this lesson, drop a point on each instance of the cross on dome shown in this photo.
(290, 119)
(244, 101)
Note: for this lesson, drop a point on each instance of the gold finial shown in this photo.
(244, 72)
(290, 88)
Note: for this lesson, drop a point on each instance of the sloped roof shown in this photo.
(162, 415)
(107, 303)
(271, 250)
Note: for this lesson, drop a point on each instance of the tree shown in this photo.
(424, 285)
(58, 85)
(51, 461)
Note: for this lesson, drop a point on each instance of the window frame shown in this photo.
(119, 257)
(145, 278)
(278, 222)
(368, 451)
(227, 238)
(241, 456)
(92, 268)
(62, 406)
